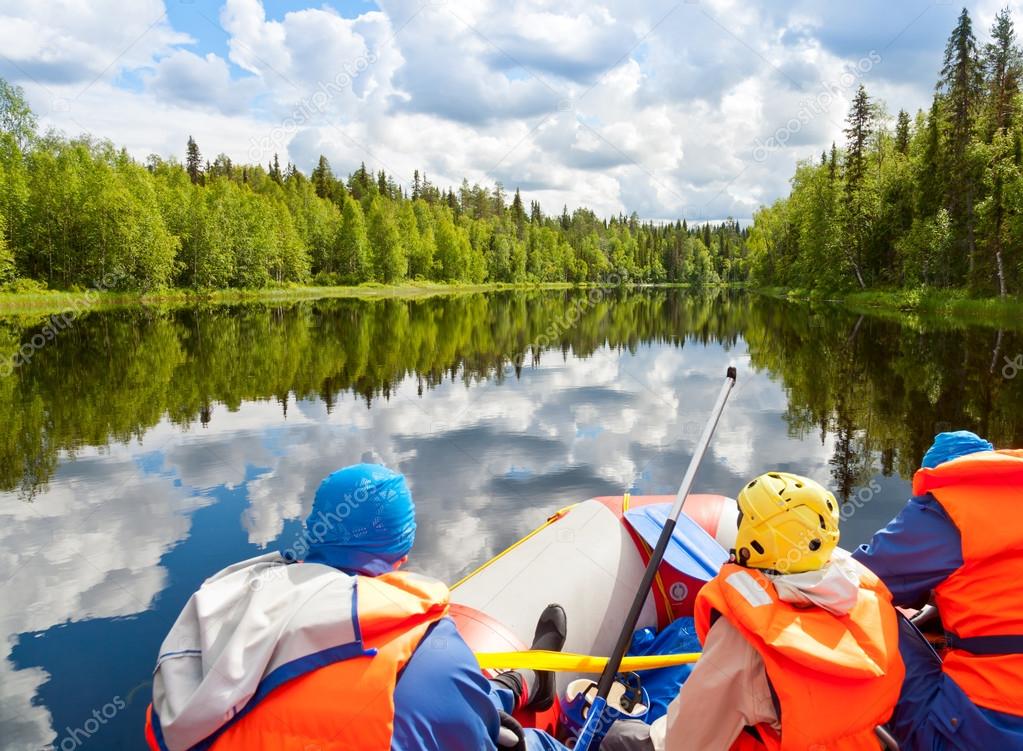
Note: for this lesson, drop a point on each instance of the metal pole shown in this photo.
(595, 718)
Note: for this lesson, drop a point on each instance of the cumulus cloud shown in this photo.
(667, 109)
(188, 79)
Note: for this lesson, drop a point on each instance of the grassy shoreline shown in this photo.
(949, 307)
(53, 301)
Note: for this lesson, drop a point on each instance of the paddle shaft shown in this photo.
(632, 618)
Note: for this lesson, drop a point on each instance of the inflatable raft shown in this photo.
(589, 558)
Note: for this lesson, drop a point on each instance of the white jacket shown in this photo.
(244, 623)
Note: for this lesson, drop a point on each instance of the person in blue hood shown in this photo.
(441, 700)
(327, 644)
(958, 540)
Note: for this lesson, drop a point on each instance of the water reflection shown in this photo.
(149, 448)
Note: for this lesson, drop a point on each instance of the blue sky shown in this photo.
(696, 109)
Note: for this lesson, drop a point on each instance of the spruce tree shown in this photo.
(323, 178)
(902, 133)
(518, 215)
(193, 162)
(857, 133)
(1002, 67)
(960, 86)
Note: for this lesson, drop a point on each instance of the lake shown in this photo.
(144, 449)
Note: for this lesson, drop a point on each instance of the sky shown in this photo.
(696, 109)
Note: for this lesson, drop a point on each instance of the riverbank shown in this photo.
(55, 301)
(948, 307)
(52, 301)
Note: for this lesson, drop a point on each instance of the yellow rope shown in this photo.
(553, 518)
(575, 663)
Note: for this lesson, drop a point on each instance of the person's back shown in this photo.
(800, 642)
(956, 540)
(338, 651)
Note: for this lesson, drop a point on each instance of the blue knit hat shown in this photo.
(949, 446)
(363, 520)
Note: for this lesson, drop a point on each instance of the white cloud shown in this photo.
(654, 107)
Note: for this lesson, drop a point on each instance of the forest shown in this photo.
(934, 201)
(79, 213)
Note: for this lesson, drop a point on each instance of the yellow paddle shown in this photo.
(539, 659)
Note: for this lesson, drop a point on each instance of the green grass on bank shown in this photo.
(30, 298)
(946, 306)
(52, 301)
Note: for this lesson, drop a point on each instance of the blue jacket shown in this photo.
(913, 554)
(442, 702)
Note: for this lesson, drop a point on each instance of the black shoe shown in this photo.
(551, 632)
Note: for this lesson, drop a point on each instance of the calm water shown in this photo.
(144, 450)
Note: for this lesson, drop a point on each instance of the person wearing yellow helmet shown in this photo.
(791, 628)
(787, 524)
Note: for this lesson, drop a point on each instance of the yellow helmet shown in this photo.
(787, 523)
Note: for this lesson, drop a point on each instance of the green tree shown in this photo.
(453, 248)
(16, 117)
(352, 257)
(421, 253)
(389, 260)
(857, 132)
(193, 161)
(902, 133)
(1002, 66)
(960, 85)
(6, 257)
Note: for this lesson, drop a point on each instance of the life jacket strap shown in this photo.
(1006, 644)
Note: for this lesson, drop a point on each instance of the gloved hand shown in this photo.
(511, 734)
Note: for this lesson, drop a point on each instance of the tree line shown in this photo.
(934, 200)
(75, 211)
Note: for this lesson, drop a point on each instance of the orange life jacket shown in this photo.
(349, 704)
(835, 677)
(980, 603)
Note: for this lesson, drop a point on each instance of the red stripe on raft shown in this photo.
(702, 508)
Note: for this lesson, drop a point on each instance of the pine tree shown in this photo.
(323, 178)
(518, 215)
(275, 171)
(193, 162)
(1002, 64)
(902, 133)
(960, 85)
(535, 213)
(860, 123)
